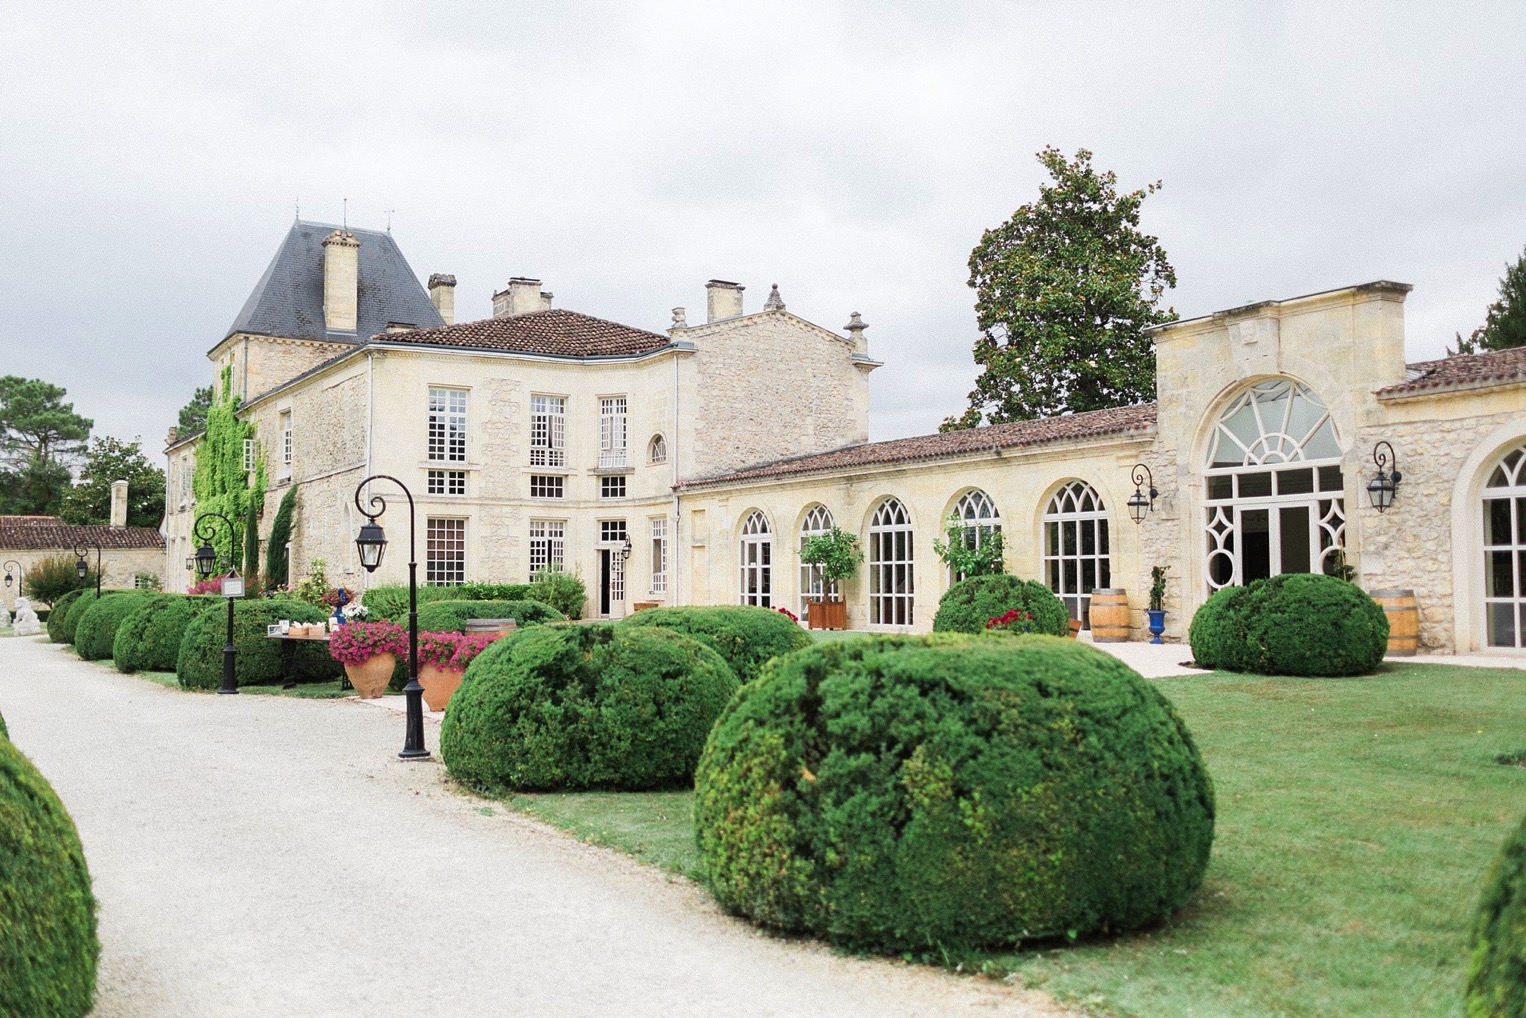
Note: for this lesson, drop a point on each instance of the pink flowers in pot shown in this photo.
(359, 642)
(452, 650)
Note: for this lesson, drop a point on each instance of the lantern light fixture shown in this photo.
(625, 550)
(371, 543)
(1139, 503)
(1382, 488)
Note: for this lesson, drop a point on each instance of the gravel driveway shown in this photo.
(266, 856)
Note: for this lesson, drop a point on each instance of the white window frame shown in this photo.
(978, 520)
(892, 576)
(659, 528)
(613, 453)
(451, 483)
(657, 449)
(548, 431)
(755, 561)
(444, 567)
(817, 521)
(551, 482)
(447, 431)
(613, 486)
(548, 545)
(1075, 519)
(249, 450)
(286, 441)
(1505, 482)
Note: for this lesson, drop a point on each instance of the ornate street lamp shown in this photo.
(1382, 488)
(82, 567)
(205, 562)
(19, 580)
(371, 544)
(1139, 504)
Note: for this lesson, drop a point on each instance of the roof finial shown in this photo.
(299, 208)
(389, 219)
(346, 216)
(774, 302)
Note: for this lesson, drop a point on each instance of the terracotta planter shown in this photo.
(440, 684)
(370, 679)
(827, 615)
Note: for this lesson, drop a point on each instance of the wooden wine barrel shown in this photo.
(1403, 620)
(1110, 615)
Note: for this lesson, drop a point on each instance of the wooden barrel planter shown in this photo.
(1110, 615)
(1403, 621)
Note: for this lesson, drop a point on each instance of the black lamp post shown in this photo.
(205, 562)
(1382, 488)
(82, 567)
(19, 580)
(371, 543)
(1139, 504)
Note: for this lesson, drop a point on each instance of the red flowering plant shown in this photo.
(213, 585)
(788, 614)
(1013, 621)
(359, 642)
(452, 650)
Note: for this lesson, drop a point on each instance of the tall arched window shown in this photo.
(978, 520)
(1275, 494)
(891, 583)
(757, 561)
(1076, 556)
(1505, 551)
(657, 450)
(817, 521)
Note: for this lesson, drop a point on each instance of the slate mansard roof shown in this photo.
(37, 533)
(554, 332)
(1464, 371)
(1126, 421)
(288, 300)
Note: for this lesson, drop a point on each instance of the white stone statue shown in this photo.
(26, 618)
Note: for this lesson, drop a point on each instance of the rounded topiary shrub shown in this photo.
(1291, 624)
(199, 663)
(948, 792)
(48, 945)
(96, 632)
(70, 624)
(58, 614)
(4, 732)
(451, 616)
(598, 706)
(1496, 982)
(148, 640)
(744, 635)
(969, 604)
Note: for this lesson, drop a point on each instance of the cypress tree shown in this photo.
(277, 566)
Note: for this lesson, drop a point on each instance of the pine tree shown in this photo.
(277, 567)
(1504, 326)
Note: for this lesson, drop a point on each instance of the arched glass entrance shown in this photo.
(1505, 551)
(1275, 494)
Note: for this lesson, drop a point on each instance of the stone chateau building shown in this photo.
(687, 467)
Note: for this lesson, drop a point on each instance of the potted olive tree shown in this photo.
(1157, 609)
(835, 555)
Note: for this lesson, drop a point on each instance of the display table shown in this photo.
(289, 657)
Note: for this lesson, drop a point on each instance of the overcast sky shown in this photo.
(152, 155)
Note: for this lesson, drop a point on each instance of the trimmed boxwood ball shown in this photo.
(574, 707)
(1496, 984)
(949, 792)
(148, 640)
(4, 732)
(199, 664)
(451, 616)
(70, 625)
(48, 945)
(59, 613)
(1291, 624)
(745, 635)
(969, 604)
(96, 632)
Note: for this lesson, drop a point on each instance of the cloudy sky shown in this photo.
(152, 156)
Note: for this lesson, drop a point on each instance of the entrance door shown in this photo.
(611, 583)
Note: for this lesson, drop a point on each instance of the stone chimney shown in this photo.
(722, 300)
(523, 296)
(341, 281)
(855, 328)
(119, 503)
(442, 294)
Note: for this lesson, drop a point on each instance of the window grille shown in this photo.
(612, 487)
(657, 451)
(891, 581)
(445, 552)
(447, 425)
(612, 432)
(286, 437)
(818, 521)
(1077, 558)
(548, 431)
(660, 556)
(548, 545)
(978, 520)
(447, 482)
(248, 454)
(757, 570)
(547, 486)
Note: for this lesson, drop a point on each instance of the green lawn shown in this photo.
(1356, 820)
(305, 691)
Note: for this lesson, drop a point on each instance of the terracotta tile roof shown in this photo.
(555, 332)
(1465, 371)
(38, 533)
(1128, 420)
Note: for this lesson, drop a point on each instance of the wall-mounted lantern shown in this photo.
(1382, 488)
(1139, 503)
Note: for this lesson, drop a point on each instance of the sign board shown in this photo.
(233, 586)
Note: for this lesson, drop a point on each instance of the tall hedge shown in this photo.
(48, 945)
(1496, 983)
(949, 792)
(968, 605)
(148, 640)
(76, 611)
(59, 614)
(599, 706)
(1291, 624)
(96, 631)
(390, 601)
(199, 664)
(451, 616)
(746, 636)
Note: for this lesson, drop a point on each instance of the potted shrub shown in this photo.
(369, 652)
(443, 658)
(836, 556)
(1157, 609)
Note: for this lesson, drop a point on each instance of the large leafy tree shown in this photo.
(108, 460)
(1504, 327)
(1064, 292)
(40, 436)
